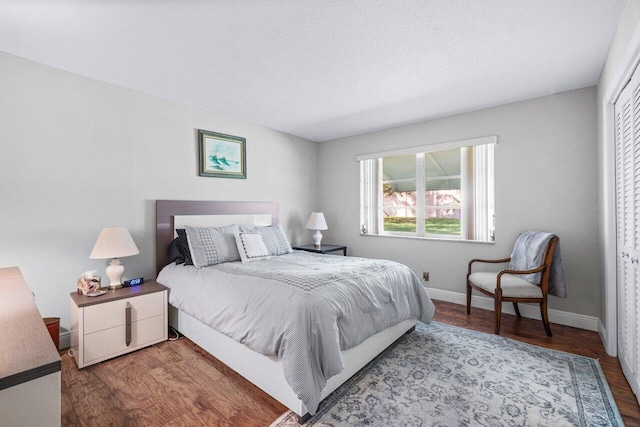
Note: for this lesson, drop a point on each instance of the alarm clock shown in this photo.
(133, 282)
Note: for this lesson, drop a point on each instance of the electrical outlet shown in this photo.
(425, 276)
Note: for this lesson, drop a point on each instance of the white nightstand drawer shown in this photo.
(111, 314)
(111, 342)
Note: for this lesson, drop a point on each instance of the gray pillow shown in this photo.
(212, 245)
(274, 238)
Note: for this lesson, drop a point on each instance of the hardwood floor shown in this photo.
(176, 383)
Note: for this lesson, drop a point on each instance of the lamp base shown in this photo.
(317, 239)
(115, 271)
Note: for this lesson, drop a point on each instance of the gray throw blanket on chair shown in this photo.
(528, 253)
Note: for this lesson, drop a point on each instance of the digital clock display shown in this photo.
(133, 282)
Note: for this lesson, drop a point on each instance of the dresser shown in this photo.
(30, 365)
(117, 322)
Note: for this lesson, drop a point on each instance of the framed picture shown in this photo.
(222, 156)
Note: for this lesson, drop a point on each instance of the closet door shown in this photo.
(627, 127)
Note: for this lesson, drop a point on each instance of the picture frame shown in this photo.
(222, 155)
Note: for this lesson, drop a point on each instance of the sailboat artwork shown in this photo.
(222, 155)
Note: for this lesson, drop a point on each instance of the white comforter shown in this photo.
(305, 308)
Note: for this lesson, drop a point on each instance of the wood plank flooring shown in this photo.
(176, 383)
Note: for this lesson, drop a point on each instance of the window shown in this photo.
(441, 191)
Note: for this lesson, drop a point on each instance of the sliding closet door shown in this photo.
(627, 126)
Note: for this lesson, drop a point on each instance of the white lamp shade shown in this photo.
(114, 242)
(317, 221)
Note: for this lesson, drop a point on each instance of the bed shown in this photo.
(243, 299)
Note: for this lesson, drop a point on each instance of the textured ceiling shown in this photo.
(322, 69)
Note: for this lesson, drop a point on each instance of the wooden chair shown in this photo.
(504, 286)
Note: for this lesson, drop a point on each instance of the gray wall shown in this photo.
(77, 155)
(545, 179)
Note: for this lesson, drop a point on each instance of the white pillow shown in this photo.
(251, 247)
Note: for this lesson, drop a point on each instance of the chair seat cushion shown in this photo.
(512, 286)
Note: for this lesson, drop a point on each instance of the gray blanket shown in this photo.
(528, 253)
(304, 308)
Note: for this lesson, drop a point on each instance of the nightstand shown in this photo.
(324, 249)
(117, 322)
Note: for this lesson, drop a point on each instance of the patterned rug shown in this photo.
(441, 375)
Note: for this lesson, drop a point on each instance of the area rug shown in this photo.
(441, 375)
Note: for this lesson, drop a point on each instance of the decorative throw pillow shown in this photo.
(212, 245)
(251, 247)
(274, 238)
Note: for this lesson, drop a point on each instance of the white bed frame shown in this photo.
(265, 372)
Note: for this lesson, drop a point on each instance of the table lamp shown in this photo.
(317, 222)
(115, 242)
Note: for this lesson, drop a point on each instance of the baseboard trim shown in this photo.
(602, 331)
(581, 321)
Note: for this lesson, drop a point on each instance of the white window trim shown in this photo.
(431, 147)
(420, 187)
(367, 175)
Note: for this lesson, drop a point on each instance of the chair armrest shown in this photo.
(492, 261)
(533, 270)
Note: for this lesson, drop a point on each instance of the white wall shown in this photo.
(77, 155)
(545, 179)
